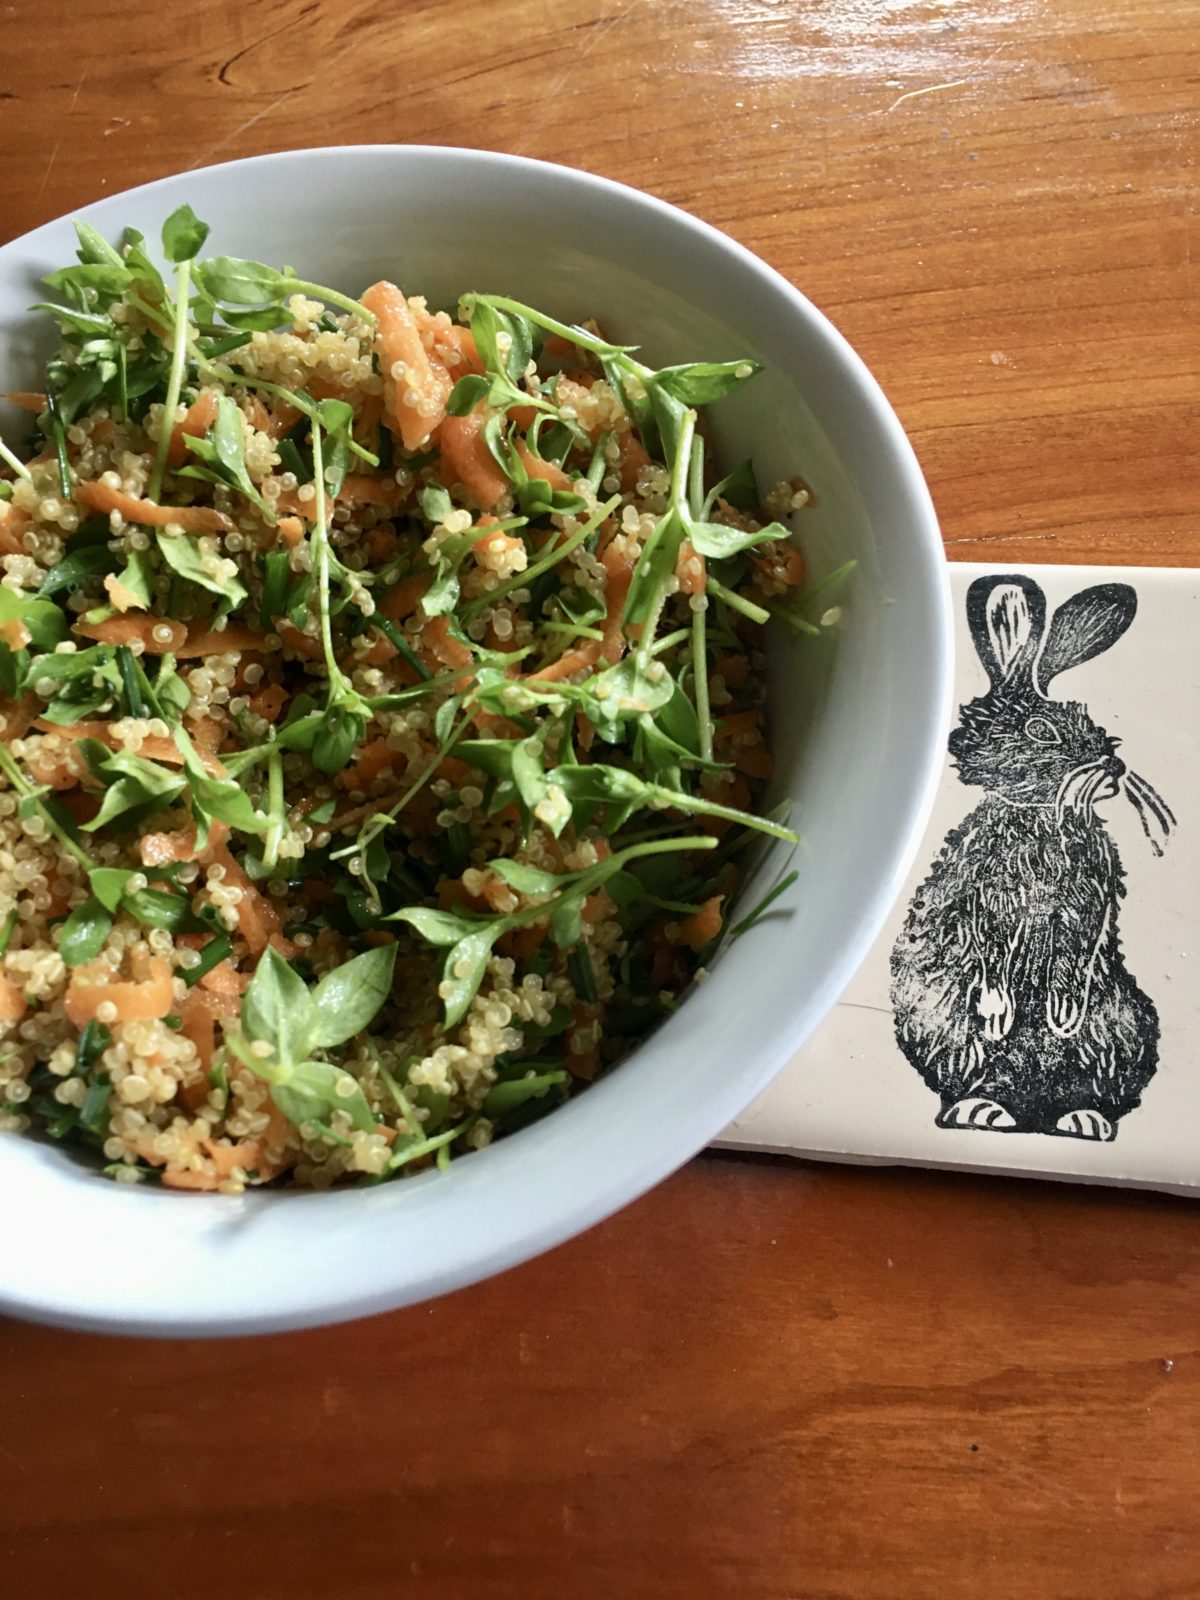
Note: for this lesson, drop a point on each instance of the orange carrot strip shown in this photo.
(703, 925)
(467, 460)
(546, 470)
(28, 401)
(13, 1004)
(398, 604)
(156, 634)
(205, 641)
(428, 383)
(258, 919)
(143, 998)
(192, 519)
(200, 416)
(634, 456)
(690, 569)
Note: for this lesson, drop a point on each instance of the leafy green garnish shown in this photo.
(280, 1011)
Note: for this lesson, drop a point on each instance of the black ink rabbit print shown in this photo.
(1011, 995)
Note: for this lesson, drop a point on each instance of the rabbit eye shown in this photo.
(1043, 731)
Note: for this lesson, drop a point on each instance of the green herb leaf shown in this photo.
(76, 569)
(133, 782)
(138, 577)
(156, 908)
(739, 489)
(223, 799)
(436, 504)
(84, 933)
(718, 542)
(347, 1000)
(95, 248)
(466, 394)
(503, 1098)
(108, 884)
(465, 968)
(701, 382)
(438, 927)
(182, 554)
(183, 234)
(278, 1009)
(527, 880)
(311, 1091)
(46, 623)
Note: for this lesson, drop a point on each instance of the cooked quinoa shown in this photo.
(383, 717)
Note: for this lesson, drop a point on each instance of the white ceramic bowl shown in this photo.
(858, 729)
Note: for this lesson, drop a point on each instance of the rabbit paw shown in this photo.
(995, 1007)
(976, 1112)
(1086, 1125)
(1064, 1011)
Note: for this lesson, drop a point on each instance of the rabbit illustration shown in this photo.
(1011, 995)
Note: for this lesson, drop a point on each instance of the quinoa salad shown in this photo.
(383, 716)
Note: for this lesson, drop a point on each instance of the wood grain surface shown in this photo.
(763, 1380)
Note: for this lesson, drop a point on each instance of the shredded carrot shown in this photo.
(634, 457)
(258, 919)
(192, 519)
(690, 569)
(27, 401)
(269, 702)
(15, 634)
(398, 604)
(143, 998)
(156, 635)
(423, 379)
(202, 640)
(466, 460)
(375, 757)
(780, 563)
(123, 598)
(201, 415)
(13, 1004)
(448, 650)
(703, 926)
(546, 470)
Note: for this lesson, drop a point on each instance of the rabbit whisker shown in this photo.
(1149, 804)
(1132, 796)
(1153, 800)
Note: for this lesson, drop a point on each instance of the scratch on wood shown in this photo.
(933, 88)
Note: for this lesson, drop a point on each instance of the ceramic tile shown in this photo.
(1031, 1006)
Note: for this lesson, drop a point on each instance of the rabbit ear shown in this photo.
(1084, 626)
(1006, 615)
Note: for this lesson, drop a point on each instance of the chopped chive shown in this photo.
(6, 932)
(827, 582)
(425, 1147)
(801, 624)
(276, 571)
(58, 434)
(763, 906)
(395, 638)
(130, 686)
(213, 953)
(583, 974)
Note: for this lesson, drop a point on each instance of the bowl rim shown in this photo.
(601, 1197)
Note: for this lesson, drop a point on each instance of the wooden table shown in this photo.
(763, 1380)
